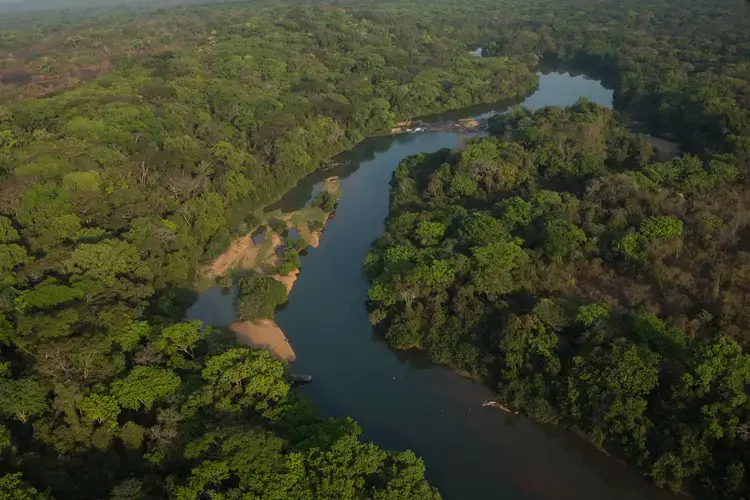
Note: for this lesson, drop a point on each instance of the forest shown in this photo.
(594, 284)
(597, 287)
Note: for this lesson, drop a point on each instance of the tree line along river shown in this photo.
(401, 400)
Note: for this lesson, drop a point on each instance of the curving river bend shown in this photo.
(399, 399)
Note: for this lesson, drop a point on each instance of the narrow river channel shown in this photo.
(399, 399)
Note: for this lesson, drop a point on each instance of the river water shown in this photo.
(399, 399)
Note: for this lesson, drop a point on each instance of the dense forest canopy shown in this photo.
(596, 286)
(601, 288)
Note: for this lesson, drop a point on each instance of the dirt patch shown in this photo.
(242, 252)
(316, 235)
(332, 185)
(314, 239)
(288, 280)
(264, 334)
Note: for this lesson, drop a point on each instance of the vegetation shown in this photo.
(132, 157)
(259, 296)
(600, 288)
(559, 261)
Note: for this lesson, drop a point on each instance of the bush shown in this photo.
(278, 226)
(326, 200)
(259, 296)
(290, 261)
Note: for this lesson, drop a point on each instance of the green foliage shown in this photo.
(144, 386)
(113, 190)
(181, 338)
(244, 377)
(590, 314)
(46, 296)
(595, 286)
(259, 296)
(101, 264)
(82, 181)
(498, 268)
(562, 238)
(11, 257)
(101, 408)
(481, 229)
(660, 336)
(23, 398)
(326, 200)
(608, 392)
(12, 487)
(516, 213)
(630, 245)
(8, 233)
(661, 227)
(430, 233)
(130, 334)
(132, 435)
(290, 261)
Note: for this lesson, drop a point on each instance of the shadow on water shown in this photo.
(399, 398)
(344, 165)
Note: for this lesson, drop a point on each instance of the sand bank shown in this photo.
(288, 280)
(241, 253)
(264, 334)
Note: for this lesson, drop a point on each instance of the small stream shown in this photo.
(401, 400)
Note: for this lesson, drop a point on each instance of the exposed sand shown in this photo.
(244, 253)
(264, 334)
(314, 239)
(240, 254)
(288, 280)
(332, 184)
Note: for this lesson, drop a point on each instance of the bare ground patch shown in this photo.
(264, 334)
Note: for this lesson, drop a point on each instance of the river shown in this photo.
(400, 400)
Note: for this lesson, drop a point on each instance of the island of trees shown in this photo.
(596, 286)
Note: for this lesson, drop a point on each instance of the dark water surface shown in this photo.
(399, 399)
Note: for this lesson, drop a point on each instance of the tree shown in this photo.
(482, 229)
(11, 257)
(101, 408)
(144, 386)
(22, 399)
(105, 262)
(562, 238)
(498, 268)
(259, 296)
(430, 233)
(608, 391)
(181, 337)
(8, 233)
(12, 487)
(243, 377)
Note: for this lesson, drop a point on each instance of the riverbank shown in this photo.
(400, 398)
(262, 251)
(460, 125)
(264, 334)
